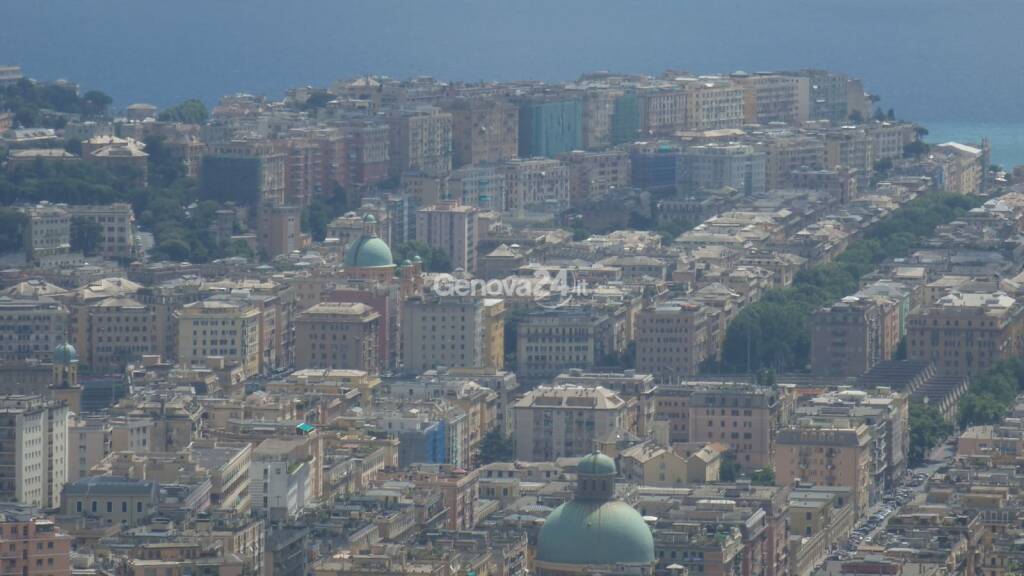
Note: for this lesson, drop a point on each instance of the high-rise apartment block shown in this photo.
(552, 422)
(966, 333)
(227, 329)
(484, 130)
(34, 453)
(536, 185)
(421, 141)
(338, 335)
(456, 332)
(452, 228)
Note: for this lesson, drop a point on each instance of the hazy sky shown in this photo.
(929, 59)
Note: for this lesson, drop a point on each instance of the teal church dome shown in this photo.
(368, 252)
(593, 529)
(65, 354)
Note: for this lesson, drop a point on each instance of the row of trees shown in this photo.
(775, 332)
(30, 100)
(169, 207)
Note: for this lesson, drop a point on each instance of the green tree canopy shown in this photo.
(191, 111)
(86, 236)
(494, 447)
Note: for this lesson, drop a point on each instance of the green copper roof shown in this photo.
(595, 533)
(65, 354)
(596, 464)
(368, 252)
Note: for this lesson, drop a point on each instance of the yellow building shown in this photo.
(828, 456)
(220, 328)
(338, 335)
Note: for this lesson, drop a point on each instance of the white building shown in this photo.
(33, 457)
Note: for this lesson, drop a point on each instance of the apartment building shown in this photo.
(662, 109)
(785, 155)
(338, 335)
(552, 422)
(713, 104)
(116, 226)
(452, 228)
(33, 545)
(34, 455)
(47, 231)
(672, 339)
(827, 455)
(593, 175)
(367, 152)
(713, 166)
(536, 185)
(420, 141)
(479, 186)
(484, 130)
(549, 125)
(280, 229)
(554, 341)
(771, 98)
(282, 479)
(966, 333)
(637, 389)
(742, 416)
(250, 172)
(31, 327)
(220, 329)
(851, 336)
(456, 332)
(118, 330)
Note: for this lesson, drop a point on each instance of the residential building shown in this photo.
(47, 231)
(744, 417)
(672, 339)
(33, 545)
(715, 166)
(34, 456)
(281, 478)
(420, 141)
(966, 333)
(456, 332)
(851, 336)
(593, 175)
(536, 184)
(713, 103)
(484, 130)
(280, 230)
(771, 98)
(551, 342)
(248, 172)
(220, 329)
(452, 228)
(827, 455)
(479, 186)
(31, 327)
(338, 335)
(552, 422)
(116, 224)
(549, 126)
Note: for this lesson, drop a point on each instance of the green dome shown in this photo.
(368, 252)
(65, 354)
(586, 532)
(596, 464)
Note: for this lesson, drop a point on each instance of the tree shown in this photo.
(434, 259)
(730, 469)
(915, 149)
(927, 429)
(188, 112)
(494, 447)
(12, 230)
(86, 236)
(763, 477)
(96, 103)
